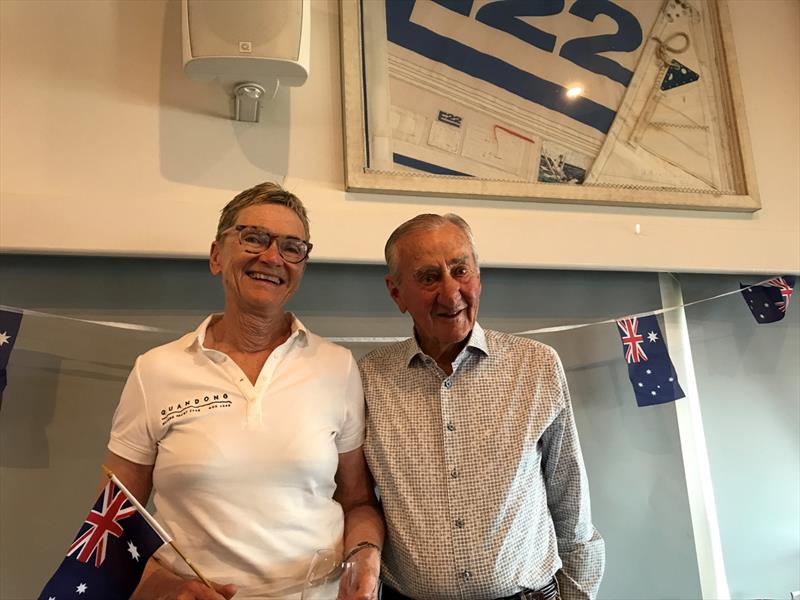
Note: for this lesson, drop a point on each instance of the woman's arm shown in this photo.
(137, 478)
(363, 522)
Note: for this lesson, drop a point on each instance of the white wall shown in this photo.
(107, 148)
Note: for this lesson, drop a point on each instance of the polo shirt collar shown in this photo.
(476, 342)
(197, 338)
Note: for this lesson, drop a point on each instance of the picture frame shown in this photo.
(718, 156)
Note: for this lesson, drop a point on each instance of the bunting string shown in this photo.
(388, 340)
(558, 328)
(650, 368)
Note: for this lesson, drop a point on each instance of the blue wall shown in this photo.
(65, 377)
(749, 385)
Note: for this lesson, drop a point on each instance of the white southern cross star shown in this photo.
(652, 336)
(52, 598)
(4, 337)
(81, 588)
(133, 551)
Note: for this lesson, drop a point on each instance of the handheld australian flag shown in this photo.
(769, 302)
(106, 560)
(9, 329)
(649, 366)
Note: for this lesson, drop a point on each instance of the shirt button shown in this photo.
(447, 383)
(451, 427)
(460, 523)
(454, 473)
(465, 575)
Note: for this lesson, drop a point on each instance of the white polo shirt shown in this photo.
(243, 474)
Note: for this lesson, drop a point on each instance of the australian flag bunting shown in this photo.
(106, 560)
(649, 366)
(769, 302)
(9, 329)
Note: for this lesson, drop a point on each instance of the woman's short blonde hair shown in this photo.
(263, 193)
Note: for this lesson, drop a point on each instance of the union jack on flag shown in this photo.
(102, 523)
(632, 340)
(107, 558)
(785, 290)
(769, 301)
(651, 372)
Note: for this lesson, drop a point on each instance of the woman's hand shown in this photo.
(159, 583)
(360, 579)
(194, 589)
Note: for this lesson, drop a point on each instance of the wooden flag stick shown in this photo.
(154, 524)
(191, 565)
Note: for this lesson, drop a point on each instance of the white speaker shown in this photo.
(251, 46)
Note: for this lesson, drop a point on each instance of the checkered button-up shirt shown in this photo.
(480, 472)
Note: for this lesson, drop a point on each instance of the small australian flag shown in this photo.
(107, 558)
(9, 330)
(649, 367)
(769, 302)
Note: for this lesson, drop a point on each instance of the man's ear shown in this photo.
(213, 259)
(394, 292)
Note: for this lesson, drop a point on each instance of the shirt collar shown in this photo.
(476, 341)
(197, 338)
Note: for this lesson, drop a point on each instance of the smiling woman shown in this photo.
(251, 498)
(271, 279)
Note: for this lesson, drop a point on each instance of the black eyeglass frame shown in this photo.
(271, 237)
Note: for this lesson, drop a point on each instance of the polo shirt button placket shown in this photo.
(253, 416)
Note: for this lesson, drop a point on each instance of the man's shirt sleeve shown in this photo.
(580, 546)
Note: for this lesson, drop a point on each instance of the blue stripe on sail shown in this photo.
(421, 165)
(488, 68)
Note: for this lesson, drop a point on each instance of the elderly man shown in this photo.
(472, 441)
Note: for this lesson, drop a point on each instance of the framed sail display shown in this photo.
(616, 102)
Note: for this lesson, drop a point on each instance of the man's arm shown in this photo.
(580, 546)
(363, 522)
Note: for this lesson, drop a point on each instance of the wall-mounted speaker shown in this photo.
(247, 45)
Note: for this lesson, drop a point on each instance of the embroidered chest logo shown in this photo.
(194, 406)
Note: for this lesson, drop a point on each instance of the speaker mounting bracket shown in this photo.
(247, 98)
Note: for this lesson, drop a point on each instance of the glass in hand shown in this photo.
(325, 575)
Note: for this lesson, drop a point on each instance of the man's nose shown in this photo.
(450, 291)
